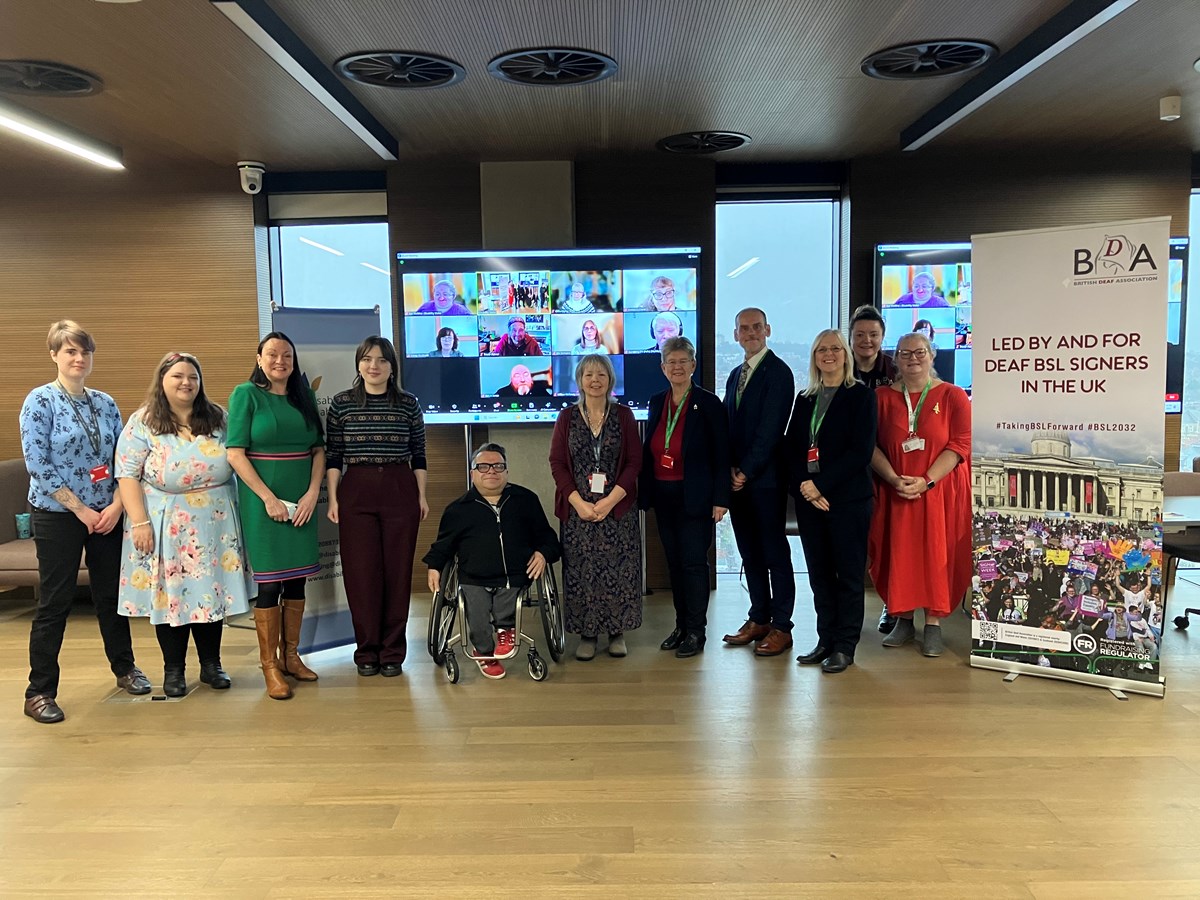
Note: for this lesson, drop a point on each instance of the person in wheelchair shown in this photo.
(503, 542)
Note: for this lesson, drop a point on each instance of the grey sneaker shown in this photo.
(616, 645)
(931, 641)
(901, 634)
(586, 649)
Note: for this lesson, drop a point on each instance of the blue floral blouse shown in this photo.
(58, 450)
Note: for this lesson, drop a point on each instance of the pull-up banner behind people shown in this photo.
(1070, 358)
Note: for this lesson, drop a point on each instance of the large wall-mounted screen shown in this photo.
(495, 336)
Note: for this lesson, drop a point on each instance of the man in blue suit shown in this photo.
(758, 397)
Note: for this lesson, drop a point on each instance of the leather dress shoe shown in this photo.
(748, 634)
(886, 622)
(815, 656)
(367, 669)
(134, 682)
(390, 670)
(673, 640)
(690, 646)
(774, 643)
(214, 676)
(43, 708)
(837, 662)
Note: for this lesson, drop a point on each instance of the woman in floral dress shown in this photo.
(182, 559)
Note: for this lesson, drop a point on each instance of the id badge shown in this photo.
(913, 443)
(814, 454)
(668, 462)
(597, 483)
(100, 473)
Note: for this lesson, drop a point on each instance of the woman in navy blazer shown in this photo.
(685, 480)
(830, 441)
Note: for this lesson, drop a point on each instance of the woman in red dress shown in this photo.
(920, 540)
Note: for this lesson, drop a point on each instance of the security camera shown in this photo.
(252, 175)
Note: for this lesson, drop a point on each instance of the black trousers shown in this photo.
(759, 526)
(835, 548)
(60, 539)
(686, 541)
(173, 639)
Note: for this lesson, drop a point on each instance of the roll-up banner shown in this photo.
(1070, 331)
(325, 342)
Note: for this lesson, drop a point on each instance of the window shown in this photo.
(779, 256)
(335, 266)
(1189, 445)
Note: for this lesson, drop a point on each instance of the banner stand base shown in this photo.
(1120, 695)
(1116, 685)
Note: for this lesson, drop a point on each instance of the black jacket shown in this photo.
(493, 550)
(756, 425)
(704, 453)
(846, 442)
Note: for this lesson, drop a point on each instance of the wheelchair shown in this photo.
(448, 625)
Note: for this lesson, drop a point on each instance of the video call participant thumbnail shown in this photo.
(516, 341)
(521, 383)
(923, 293)
(647, 332)
(445, 302)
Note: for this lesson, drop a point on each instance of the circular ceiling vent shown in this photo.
(400, 69)
(552, 66)
(698, 143)
(927, 59)
(33, 76)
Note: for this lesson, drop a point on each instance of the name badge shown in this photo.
(814, 454)
(100, 473)
(913, 443)
(667, 462)
(596, 485)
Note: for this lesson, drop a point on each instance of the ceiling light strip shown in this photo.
(1069, 27)
(260, 23)
(48, 131)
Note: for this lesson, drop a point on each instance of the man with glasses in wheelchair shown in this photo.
(503, 542)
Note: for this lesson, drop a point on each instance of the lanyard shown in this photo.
(814, 423)
(672, 419)
(596, 439)
(913, 413)
(93, 433)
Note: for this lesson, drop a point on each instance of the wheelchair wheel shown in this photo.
(537, 668)
(441, 626)
(452, 672)
(552, 615)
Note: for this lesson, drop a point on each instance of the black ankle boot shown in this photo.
(174, 684)
(214, 676)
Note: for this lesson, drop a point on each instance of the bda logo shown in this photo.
(1085, 643)
(1117, 255)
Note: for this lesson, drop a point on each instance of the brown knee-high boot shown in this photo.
(266, 623)
(290, 662)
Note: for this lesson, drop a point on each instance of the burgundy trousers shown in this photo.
(378, 519)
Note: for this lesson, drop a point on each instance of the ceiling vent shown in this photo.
(399, 69)
(927, 59)
(699, 143)
(47, 79)
(552, 66)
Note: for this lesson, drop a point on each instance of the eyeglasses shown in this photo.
(825, 351)
(484, 468)
(659, 295)
(912, 354)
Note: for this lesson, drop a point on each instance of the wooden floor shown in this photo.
(722, 776)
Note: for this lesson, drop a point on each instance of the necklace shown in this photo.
(596, 422)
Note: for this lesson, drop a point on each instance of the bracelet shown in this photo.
(139, 524)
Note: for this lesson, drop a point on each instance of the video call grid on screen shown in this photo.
(495, 336)
(929, 285)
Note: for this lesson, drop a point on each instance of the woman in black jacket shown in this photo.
(830, 441)
(685, 480)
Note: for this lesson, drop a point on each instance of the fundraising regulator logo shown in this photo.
(1118, 260)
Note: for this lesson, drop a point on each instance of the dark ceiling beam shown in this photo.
(1068, 27)
(260, 23)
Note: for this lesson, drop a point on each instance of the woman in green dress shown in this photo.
(275, 446)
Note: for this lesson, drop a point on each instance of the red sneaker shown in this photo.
(505, 638)
(490, 668)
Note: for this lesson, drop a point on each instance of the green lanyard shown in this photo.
(674, 418)
(814, 424)
(914, 413)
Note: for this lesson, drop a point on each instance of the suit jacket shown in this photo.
(757, 424)
(846, 442)
(704, 452)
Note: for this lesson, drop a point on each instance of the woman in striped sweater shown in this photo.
(376, 431)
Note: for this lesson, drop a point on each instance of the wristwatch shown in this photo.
(929, 484)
